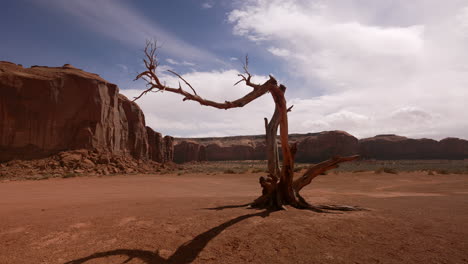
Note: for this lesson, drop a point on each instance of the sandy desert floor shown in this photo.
(412, 218)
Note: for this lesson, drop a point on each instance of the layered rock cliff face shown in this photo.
(186, 151)
(324, 145)
(161, 149)
(315, 147)
(311, 147)
(45, 110)
(398, 147)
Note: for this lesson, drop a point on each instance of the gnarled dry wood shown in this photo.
(278, 188)
(318, 169)
(269, 199)
(271, 129)
(152, 80)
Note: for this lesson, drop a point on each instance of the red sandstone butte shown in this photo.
(397, 147)
(45, 110)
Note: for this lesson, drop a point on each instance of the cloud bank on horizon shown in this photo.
(366, 67)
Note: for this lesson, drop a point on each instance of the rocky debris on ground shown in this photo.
(79, 162)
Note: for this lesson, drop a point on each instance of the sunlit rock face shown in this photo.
(44, 110)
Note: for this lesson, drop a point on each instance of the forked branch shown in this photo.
(154, 83)
(318, 169)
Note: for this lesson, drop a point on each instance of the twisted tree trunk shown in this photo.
(278, 187)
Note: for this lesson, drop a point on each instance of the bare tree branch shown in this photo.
(187, 83)
(318, 169)
(151, 78)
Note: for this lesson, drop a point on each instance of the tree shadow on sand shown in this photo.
(219, 208)
(321, 208)
(186, 253)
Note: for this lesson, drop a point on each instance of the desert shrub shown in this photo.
(430, 173)
(390, 170)
(39, 178)
(257, 170)
(358, 171)
(386, 170)
(442, 171)
(229, 171)
(69, 175)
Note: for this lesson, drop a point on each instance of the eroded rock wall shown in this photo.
(324, 145)
(316, 147)
(45, 110)
(186, 151)
(311, 147)
(398, 147)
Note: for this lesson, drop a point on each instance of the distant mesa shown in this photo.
(398, 147)
(311, 147)
(316, 147)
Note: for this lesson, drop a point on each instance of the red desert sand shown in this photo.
(196, 218)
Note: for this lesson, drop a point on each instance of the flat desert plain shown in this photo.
(412, 217)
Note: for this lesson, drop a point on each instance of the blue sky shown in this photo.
(54, 32)
(364, 66)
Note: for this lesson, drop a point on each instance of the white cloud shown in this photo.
(279, 52)
(207, 5)
(184, 63)
(171, 61)
(404, 72)
(167, 113)
(123, 67)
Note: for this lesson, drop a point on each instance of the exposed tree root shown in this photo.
(335, 207)
(275, 198)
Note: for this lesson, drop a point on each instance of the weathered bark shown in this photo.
(271, 129)
(271, 198)
(278, 187)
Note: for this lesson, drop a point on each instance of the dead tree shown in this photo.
(279, 187)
